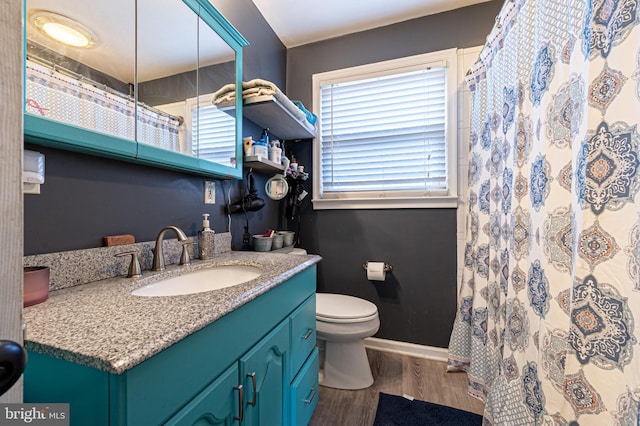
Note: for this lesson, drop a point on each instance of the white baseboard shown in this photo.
(404, 348)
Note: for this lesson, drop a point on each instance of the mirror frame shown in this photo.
(50, 133)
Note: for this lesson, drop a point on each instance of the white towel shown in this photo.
(264, 84)
(259, 87)
(255, 87)
(225, 93)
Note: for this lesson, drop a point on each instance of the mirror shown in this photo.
(144, 97)
(277, 187)
(181, 64)
(74, 84)
(167, 62)
(216, 129)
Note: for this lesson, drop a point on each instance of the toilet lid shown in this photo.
(340, 306)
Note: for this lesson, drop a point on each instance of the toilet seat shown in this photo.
(346, 320)
(343, 309)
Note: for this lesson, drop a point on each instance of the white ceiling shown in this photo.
(167, 34)
(169, 47)
(298, 22)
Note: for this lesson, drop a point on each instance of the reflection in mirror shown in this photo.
(167, 60)
(167, 80)
(277, 187)
(164, 101)
(216, 126)
(83, 77)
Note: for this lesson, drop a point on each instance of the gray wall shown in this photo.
(186, 85)
(417, 302)
(85, 198)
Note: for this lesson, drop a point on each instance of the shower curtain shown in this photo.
(550, 293)
(73, 100)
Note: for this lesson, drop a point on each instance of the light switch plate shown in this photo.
(209, 192)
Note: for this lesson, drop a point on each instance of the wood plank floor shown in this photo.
(394, 374)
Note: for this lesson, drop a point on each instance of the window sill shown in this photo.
(441, 202)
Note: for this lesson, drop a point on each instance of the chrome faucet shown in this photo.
(158, 252)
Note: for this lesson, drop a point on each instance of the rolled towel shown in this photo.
(311, 117)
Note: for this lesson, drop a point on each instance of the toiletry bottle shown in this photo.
(205, 239)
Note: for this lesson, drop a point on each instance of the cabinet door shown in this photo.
(264, 376)
(305, 391)
(217, 404)
(303, 335)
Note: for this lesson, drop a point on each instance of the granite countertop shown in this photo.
(101, 325)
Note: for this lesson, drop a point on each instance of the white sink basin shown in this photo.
(200, 281)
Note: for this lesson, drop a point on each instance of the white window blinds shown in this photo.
(213, 129)
(385, 134)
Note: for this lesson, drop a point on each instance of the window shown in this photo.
(216, 141)
(213, 130)
(387, 134)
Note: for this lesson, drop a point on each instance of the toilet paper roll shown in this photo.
(375, 271)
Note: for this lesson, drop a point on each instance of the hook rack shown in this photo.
(387, 267)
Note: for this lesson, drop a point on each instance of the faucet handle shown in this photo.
(185, 259)
(134, 267)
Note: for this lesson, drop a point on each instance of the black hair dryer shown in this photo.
(250, 202)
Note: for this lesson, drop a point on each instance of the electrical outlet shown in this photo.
(209, 192)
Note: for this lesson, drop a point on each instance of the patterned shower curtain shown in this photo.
(550, 294)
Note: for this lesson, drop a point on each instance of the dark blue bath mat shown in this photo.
(399, 411)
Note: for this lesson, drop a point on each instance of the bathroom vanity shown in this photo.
(240, 355)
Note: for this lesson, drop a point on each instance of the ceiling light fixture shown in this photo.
(62, 29)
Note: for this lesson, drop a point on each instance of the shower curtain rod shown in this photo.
(498, 22)
(497, 30)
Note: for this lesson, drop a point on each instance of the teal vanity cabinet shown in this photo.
(256, 365)
(261, 372)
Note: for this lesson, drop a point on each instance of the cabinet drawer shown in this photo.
(303, 334)
(305, 391)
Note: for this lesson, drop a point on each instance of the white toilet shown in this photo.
(342, 324)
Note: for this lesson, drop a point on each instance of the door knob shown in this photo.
(13, 359)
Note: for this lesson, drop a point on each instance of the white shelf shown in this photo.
(268, 112)
(260, 163)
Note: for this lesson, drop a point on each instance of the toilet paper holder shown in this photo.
(387, 267)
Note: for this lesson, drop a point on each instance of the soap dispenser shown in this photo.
(205, 239)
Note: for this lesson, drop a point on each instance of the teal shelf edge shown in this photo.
(37, 130)
(154, 156)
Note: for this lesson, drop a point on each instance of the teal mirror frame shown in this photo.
(50, 133)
